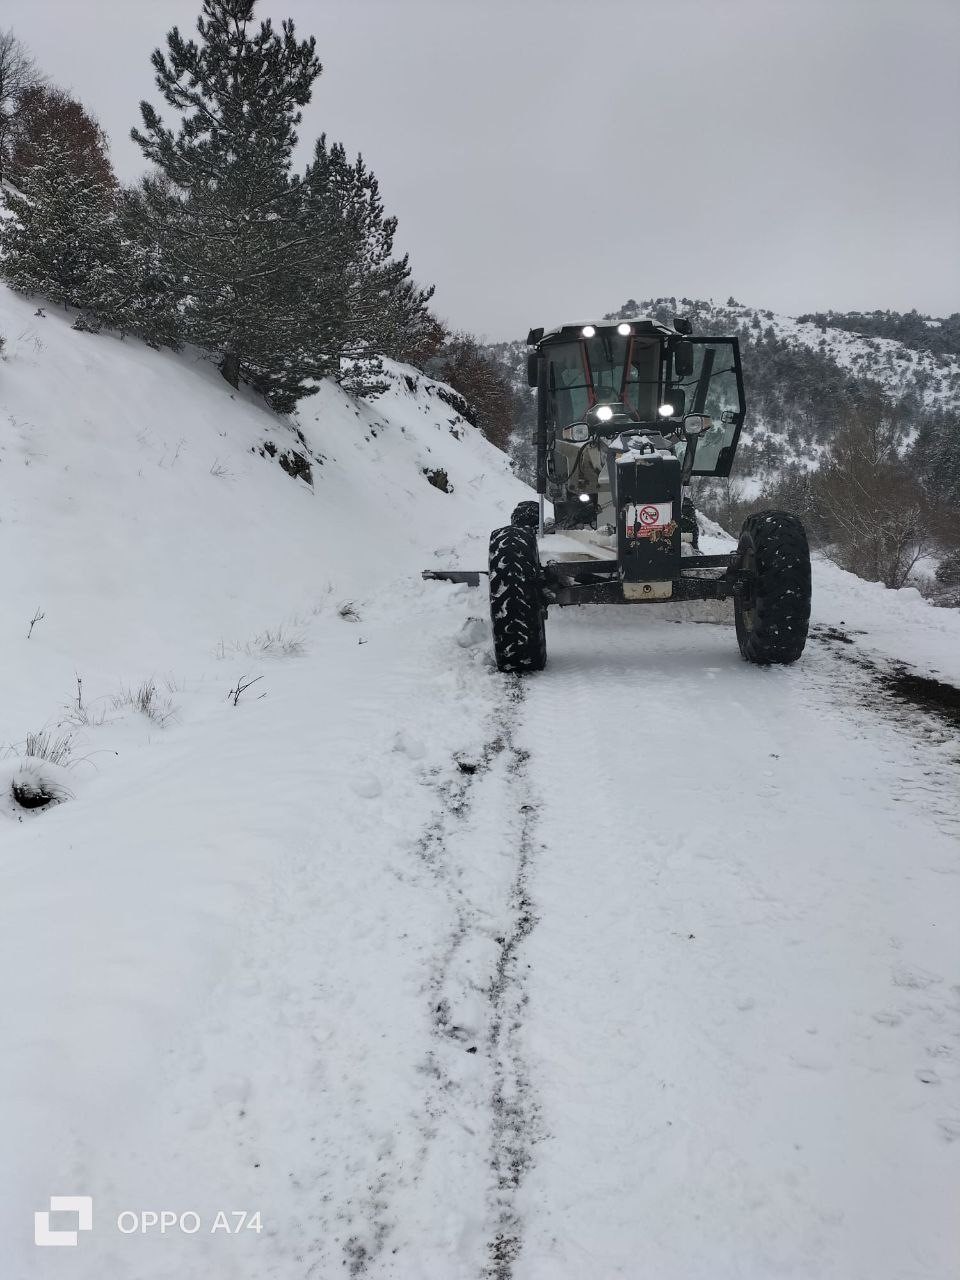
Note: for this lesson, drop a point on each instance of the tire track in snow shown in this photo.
(515, 1115)
(479, 1117)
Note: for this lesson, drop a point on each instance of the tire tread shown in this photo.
(783, 588)
(516, 608)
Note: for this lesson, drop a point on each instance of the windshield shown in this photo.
(712, 388)
(606, 368)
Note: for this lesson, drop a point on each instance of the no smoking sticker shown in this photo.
(648, 518)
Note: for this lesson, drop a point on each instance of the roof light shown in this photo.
(665, 411)
(624, 329)
(588, 331)
(604, 413)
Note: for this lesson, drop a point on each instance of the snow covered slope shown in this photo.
(797, 373)
(645, 967)
(933, 379)
(143, 516)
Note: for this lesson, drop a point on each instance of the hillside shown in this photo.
(929, 377)
(441, 973)
(150, 455)
(800, 375)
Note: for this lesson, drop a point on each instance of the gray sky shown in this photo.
(549, 159)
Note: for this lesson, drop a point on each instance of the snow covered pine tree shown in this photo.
(73, 237)
(379, 305)
(230, 217)
(54, 241)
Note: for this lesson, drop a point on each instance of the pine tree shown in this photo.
(143, 296)
(54, 241)
(230, 215)
(378, 307)
(69, 239)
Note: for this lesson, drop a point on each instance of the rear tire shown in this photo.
(526, 515)
(517, 611)
(773, 614)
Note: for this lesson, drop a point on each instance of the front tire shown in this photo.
(526, 515)
(772, 613)
(517, 611)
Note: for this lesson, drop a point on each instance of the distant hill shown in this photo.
(923, 333)
(801, 373)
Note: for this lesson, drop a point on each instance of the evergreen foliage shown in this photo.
(72, 238)
(936, 455)
(231, 215)
(283, 278)
(58, 232)
(378, 306)
(920, 332)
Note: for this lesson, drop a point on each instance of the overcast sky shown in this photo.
(548, 160)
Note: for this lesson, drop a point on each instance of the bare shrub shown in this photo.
(276, 641)
(875, 518)
(46, 745)
(18, 75)
(148, 701)
(243, 684)
(271, 642)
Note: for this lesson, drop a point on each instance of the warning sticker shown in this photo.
(648, 518)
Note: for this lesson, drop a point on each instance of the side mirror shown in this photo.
(695, 424)
(533, 369)
(683, 359)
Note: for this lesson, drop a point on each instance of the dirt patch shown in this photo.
(932, 696)
(826, 634)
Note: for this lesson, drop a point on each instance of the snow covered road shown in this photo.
(644, 967)
(743, 1010)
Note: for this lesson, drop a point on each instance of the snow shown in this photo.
(885, 360)
(642, 967)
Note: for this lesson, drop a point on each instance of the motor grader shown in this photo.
(629, 412)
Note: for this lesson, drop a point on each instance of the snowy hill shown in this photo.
(438, 973)
(798, 373)
(931, 378)
(142, 503)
